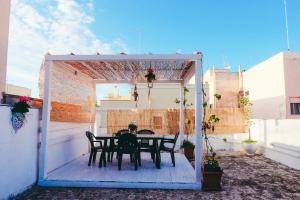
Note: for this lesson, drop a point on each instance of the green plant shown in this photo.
(18, 113)
(211, 164)
(187, 144)
(249, 141)
(245, 101)
(208, 123)
(187, 122)
(21, 106)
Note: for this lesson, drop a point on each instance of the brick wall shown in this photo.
(73, 94)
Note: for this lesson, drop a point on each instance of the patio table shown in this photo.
(154, 138)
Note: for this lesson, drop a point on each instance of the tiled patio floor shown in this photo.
(244, 178)
(78, 170)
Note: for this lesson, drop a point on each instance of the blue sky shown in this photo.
(230, 32)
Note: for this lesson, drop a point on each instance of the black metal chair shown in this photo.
(145, 145)
(128, 144)
(170, 150)
(94, 148)
(121, 131)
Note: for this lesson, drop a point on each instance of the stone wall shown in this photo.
(70, 89)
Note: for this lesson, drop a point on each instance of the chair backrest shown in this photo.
(145, 142)
(120, 132)
(90, 137)
(127, 143)
(176, 137)
(145, 131)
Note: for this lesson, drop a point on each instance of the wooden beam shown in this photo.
(122, 70)
(115, 73)
(97, 66)
(92, 69)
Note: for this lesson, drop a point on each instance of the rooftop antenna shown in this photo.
(286, 26)
(225, 61)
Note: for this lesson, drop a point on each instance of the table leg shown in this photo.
(157, 155)
(104, 153)
(101, 159)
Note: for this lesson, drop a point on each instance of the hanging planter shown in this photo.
(135, 95)
(18, 113)
(150, 77)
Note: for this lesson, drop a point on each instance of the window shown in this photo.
(295, 108)
(157, 122)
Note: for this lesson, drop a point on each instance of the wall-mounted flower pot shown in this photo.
(212, 180)
(17, 120)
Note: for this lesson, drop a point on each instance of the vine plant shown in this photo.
(208, 127)
(188, 122)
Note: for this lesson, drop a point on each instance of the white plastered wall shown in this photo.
(18, 153)
(266, 85)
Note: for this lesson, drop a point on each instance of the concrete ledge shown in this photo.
(128, 185)
(288, 149)
(283, 155)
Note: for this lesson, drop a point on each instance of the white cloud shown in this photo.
(179, 51)
(59, 27)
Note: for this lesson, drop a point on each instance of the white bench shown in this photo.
(286, 154)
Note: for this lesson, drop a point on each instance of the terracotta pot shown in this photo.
(250, 148)
(189, 152)
(212, 181)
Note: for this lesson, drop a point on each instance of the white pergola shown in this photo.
(122, 68)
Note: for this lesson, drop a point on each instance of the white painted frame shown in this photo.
(46, 119)
(197, 70)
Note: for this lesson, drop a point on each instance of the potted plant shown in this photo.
(249, 145)
(188, 148)
(187, 145)
(212, 172)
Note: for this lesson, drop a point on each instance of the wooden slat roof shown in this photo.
(130, 67)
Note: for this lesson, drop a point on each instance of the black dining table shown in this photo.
(111, 138)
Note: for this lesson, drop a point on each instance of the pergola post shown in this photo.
(198, 120)
(45, 118)
(181, 114)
